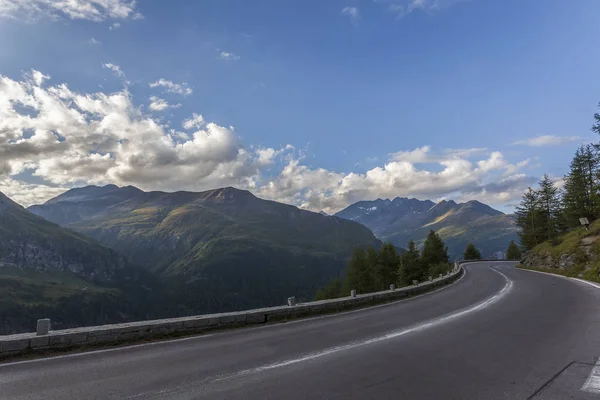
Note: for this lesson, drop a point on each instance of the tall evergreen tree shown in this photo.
(388, 266)
(530, 219)
(410, 266)
(359, 275)
(471, 253)
(513, 253)
(371, 279)
(550, 206)
(434, 250)
(581, 191)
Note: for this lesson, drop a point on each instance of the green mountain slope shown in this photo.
(227, 248)
(49, 271)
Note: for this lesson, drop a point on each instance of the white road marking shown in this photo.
(420, 327)
(592, 385)
(597, 286)
(587, 282)
(201, 336)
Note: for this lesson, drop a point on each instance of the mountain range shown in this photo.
(218, 250)
(402, 219)
(95, 255)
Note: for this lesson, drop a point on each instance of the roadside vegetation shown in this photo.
(370, 270)
(471, 253)
(552, 236)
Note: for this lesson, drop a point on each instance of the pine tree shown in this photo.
(581, 191)
(371, 278)
(388, 266)
(410, 266)
(434, 250)
(513, 253)
(551, 209)
(530, 219)
(471, 253)
(359, 276)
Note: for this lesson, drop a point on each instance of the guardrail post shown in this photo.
(415, 282)
(291, 301)
(441, 275)
(430, 277)
(392, 287)
(353, 293)
(43, 326)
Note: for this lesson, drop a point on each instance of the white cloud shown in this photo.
(76, 138)
(158, 104)
(352, 13)
(547, 140)
(320, 189)
(114, 26)
(65, 138)
(91, 10)
(196, 121)
(114, 68)
(403, 7)
(422, 155)
(227, 56)
(94, 41)
(171, 87)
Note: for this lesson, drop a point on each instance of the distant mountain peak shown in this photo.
(229, 193)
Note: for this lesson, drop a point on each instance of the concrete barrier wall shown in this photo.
(28, 343)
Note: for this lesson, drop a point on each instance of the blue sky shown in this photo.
(370, 97)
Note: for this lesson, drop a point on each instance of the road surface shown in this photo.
(497, 333)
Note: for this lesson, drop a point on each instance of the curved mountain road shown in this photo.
(497, 333)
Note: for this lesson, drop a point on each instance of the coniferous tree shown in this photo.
(581, 191)
(388, 266)
(513, 253)
(371, 278)
(530, 219)
(434, 250)
(551, 209)
(358, 276)
(410, 266)
(471, 253)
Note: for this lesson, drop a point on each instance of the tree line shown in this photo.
(370, 270)
(547, 211)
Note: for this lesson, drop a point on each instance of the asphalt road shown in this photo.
(497, 333)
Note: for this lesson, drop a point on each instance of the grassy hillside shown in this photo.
(575, 254)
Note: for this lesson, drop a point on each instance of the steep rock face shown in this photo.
(402, 219)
